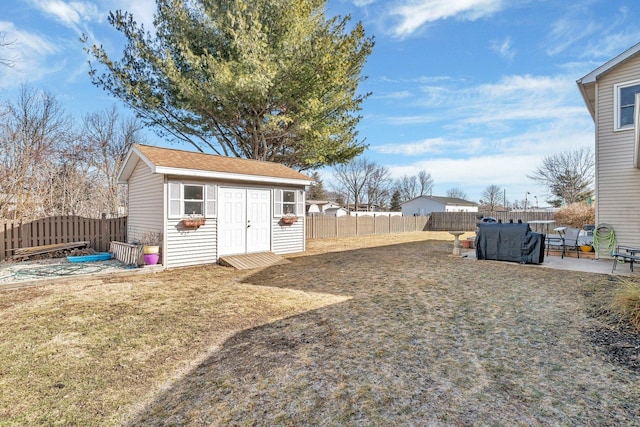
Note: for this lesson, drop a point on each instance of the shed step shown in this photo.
(249, 261)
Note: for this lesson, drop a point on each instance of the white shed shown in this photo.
(424, 205)
(243, 203)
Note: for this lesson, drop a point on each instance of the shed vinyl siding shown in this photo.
(618, 182)
(288, 239)
(191, 247)
(146, 210)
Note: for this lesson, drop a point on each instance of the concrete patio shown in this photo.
(600, 266)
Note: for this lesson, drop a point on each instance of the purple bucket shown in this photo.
(151, 259)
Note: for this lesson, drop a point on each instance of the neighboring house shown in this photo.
(424, 205)
(242, 202)
(609, 92)
(316, 207)
(336, 211)
(362, 207)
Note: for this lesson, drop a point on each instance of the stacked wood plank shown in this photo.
(22, 254)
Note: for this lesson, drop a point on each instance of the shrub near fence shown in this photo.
(467, 221)
(60, 229)
(327, 226)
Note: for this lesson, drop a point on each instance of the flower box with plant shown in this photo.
(289, 219)
(193, 221)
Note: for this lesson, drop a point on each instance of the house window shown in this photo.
(625, 94)
(191, 200)
(288, 202)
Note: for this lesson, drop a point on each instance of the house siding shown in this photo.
(461, 208)
(145, 191)
(617, 194)
(421, 206)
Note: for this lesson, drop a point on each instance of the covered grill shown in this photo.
(509, 242)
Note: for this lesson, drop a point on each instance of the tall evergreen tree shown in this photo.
(262, 79)
(316, 192)
(395, 202)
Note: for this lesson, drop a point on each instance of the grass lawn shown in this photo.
(382, 330)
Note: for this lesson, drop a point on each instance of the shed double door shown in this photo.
(244, 221)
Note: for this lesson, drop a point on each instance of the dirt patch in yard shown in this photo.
(384, 330)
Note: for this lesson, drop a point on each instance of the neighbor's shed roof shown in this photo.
(587, 84)
(200, 165)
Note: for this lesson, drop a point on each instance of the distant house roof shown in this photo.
(189, 163)
(445, 200)
(588, 82)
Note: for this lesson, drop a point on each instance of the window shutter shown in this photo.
(211, 201)
(277, 202)
(174, 200)
(300, 203)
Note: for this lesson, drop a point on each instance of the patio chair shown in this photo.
(556, 240)
(571, 240)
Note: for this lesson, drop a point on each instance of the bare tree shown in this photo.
(425, 182)
(568, 175)
(7, 62)
(355, 177)
(107, 139)
(408, 187)
(46, 168)
(378, 187)
(414, 186)
(33, 129)
(492, 197)
(456, 193)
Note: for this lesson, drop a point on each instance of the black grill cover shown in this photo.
(509, 242)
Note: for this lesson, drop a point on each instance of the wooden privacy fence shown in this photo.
(467, 221)
(326, 226)
(60, 229)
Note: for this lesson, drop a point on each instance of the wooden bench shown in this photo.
(625, 254)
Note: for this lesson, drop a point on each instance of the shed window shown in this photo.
(624, 95)
(194, 200)
(191, 200)
(288, 202)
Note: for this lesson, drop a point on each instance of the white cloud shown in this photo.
(512, 98)
(414, 14)
(30, 54)
(430, 146)
(504, 48)
(362, 3)
(403, 94)
(70, 14)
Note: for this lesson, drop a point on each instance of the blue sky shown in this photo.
(475, 92)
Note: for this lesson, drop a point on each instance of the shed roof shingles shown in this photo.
(180, 159)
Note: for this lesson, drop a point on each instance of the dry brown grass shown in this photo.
(626, 302)
(395, 333)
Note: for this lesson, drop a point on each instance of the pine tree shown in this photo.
(262, 79)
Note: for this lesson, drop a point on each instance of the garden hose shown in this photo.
(605, 238)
